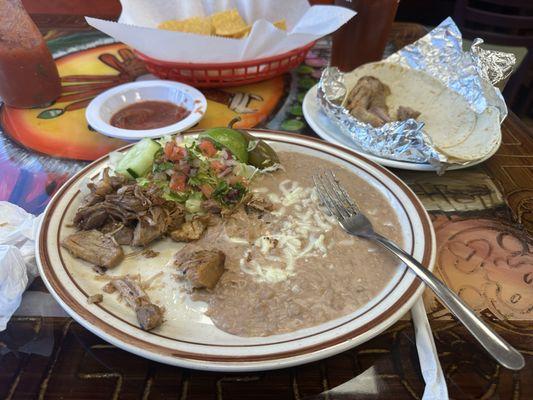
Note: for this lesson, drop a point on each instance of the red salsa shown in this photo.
(148, 115)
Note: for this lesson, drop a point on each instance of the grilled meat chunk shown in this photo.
(91, 217)
(94, 247)
(189, 231)
(211, 206)
(149, 315)
(404, 113)
(123, 234)
(149, 253)
(95, 216)
(201, 268)
(259, 203)
(107, 185)
(109, 288)
(132, 214)
(92, 198)
(151, 226)
(95, 298)
(366, 101)
(131, 198)
(103, 186)
(176, 219)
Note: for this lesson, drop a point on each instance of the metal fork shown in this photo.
(337, 201)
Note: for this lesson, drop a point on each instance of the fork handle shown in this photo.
(497, 347)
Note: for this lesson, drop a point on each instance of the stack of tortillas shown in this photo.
(454, 128)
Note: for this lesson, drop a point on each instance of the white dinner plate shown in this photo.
(327, 130)
(191, 340)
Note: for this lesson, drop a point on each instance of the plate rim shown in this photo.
(254, 362)
(405, 165)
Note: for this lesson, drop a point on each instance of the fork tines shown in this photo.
(333, 196)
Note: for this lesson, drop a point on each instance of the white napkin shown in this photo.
(18, 230)
(436, 388)
(137, 28)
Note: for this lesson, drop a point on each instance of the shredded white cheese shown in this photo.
(238, 240)
(296, 234)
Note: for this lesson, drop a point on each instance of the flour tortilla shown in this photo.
(483, 140)
(447, 116)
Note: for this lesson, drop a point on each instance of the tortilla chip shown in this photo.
(228, 23)
(243, 33)
(281, 24)
(198, 25)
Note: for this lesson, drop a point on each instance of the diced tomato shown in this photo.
(179, 153)
(207, 190)
(207, 148)
(217, 166)
(174, 153)
(178, 182)
(169, 147)
(185, 168)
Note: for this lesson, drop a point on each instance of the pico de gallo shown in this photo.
(213, 169)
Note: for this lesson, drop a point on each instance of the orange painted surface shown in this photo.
(61, 129)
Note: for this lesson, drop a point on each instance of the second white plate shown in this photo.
(327, 130)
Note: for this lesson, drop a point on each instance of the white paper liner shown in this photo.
(139, 19)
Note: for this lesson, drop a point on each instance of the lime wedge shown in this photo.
(231, 139)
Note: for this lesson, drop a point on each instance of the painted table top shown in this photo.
(483, 219)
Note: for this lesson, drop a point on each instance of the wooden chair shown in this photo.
(503, 23)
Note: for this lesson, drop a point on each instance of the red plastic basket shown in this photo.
(226, 74)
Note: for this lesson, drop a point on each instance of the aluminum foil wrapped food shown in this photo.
(439, 54)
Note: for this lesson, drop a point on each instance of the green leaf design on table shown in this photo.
(301, 97)
(76, 41)
(51, 113)
(296, 110)
(292, 125)
(304, 69)
(306, 82)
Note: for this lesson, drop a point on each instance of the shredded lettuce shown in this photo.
(220, 191)
(245, 170)
(162, 167)
(229, 194)
(164, 140)
(193, 204)
(189, 141)
(180, 197)
(204, 175)
(143, 182)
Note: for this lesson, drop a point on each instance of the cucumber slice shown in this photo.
(137, 162)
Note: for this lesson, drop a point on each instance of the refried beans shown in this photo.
(294, 267)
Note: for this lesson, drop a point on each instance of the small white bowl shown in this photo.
(106, 104)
